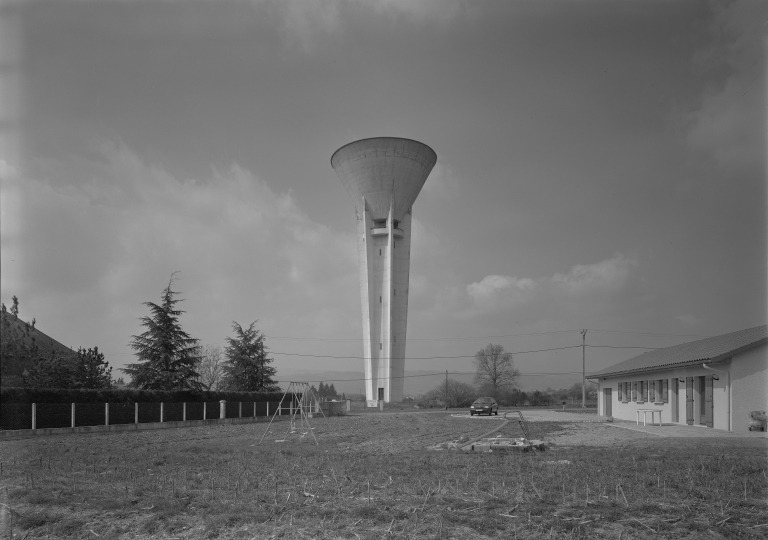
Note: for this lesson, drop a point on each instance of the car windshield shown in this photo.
(483, 401)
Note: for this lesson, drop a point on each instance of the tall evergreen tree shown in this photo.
(247, 366)
(167, 354)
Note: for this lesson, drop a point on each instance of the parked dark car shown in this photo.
(484, 405)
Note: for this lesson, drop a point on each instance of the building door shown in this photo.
(381, 394)
(608, 402)
(708, 401)
(701, 386)
(673, 399)
(689, 401)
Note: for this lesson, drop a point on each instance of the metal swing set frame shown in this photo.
(302, 401)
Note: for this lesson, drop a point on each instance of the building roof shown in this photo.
(711, 349)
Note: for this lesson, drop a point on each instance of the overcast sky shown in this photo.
(600, 165)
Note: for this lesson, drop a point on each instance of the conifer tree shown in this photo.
(246, 367)
(84, 369)
(167, 354)
(51, 370)
(90, 370)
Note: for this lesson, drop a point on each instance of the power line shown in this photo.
(429, 339)
(617, 347)
(464, 356)
(432, 375)
(438, 357)
(419, 357)
(294, 338)
(644, 333)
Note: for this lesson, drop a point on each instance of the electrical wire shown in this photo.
(440, 357)
(432, 339)
(626, 347)
(644, 333)
(440, 374)
(417, 357)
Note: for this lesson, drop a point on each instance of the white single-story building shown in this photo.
(714, 382)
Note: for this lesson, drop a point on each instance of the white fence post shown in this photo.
(241, 409)
(222, 409)
(73, 416)
(254, 409)
(205, 410)
(34, 416)
(106, 414)
(184, 411)
(161, 412)
(136, 413)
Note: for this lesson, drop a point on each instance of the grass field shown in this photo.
(371, 477)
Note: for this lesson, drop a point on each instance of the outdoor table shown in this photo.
(645, 415)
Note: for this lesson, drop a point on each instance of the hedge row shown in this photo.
(62, 395)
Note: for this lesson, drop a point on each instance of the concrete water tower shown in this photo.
(383, 176)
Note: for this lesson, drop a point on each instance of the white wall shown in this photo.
(749, 377)
(628, 411)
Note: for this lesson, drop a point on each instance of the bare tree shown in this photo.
(210, 367)
(495, 370)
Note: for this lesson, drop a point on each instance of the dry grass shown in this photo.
(370, 477)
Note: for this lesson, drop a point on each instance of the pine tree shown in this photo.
(332, 392)
(90, 370)
(246, 367)
(167, 355)
(51, 371)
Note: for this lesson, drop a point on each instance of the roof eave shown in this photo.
(687, 363)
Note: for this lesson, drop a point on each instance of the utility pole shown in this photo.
(446, 390)
(583, 369)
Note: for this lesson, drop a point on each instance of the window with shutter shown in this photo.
(643, 391)
(634, 391)
(619, 395)
(659, 385)
(651, 391)
(665, 391)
